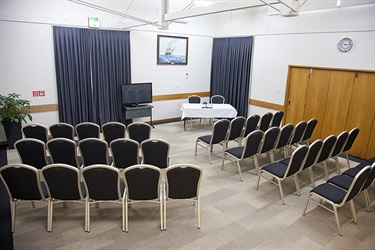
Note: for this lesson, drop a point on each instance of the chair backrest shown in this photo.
(297, 160)
(64, 151)
(357, 184)
(298, 132)
(310, 127)
(340, 143)
(139, 131)
(36, 131)
(217, 99)
(277, 118)
(63, 182)
(269, 139)
(62, 130)
(155, 152)
(314, 152)
(370, 178)
(252, 143)
(235, 127)
(219, 131)
(102, 182)
(352, 136)
(183, 181)
(142, 182)
(327, 149)
(251, 124)
(87, 130)
(194, 99)
(32, 152)
(93, 151)
(265, 121)
(113, 130)
(22, 182)
(285, 135)
(125, 152)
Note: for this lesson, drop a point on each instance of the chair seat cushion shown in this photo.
(352, 172)
(277, 169)
(330, 192)
(205, 138)
(362, 165)
(285, 161)
(342, 181)
(236, 152)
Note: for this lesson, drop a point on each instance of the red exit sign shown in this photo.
(37, 93)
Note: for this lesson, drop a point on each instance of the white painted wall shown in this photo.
(27, 60)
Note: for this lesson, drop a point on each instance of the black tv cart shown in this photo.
(137, 112)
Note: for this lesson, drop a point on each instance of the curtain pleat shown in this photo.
(230, 71)
(90, 66)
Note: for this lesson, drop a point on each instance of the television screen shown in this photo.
(136, 93)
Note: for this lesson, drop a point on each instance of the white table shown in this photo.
(197, 110)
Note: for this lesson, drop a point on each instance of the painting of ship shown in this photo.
(172, 50)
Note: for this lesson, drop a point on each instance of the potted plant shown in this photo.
(13, 111)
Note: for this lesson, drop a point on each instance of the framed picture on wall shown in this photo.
(172, 50)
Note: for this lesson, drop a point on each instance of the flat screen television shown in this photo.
(136, 93)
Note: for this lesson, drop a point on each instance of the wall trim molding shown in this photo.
(178, 96)
(263, 104)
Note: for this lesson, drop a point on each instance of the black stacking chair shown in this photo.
(194, 99)
(251, 125)
(269, 141)
(327, 149)
(87, 130)
(32, 152)
(277, 119)
(280, 172)
(63, 183)
(23, 184)
(337, 197)
(182, 182)
(125, 153)
(299, 131)
(251, 148)
(339, 147)
(93, 151)
(143, 185)
(139, 131)
(113, 130)
(349, 143)
(62, 130)
(265, 121)
(235, 130)
(102, 184)
(64, 151)
(218, 99)
(155, 152)
(284, 138)
(219, 132)
(351, 173)
(310, 127)
(36, 131)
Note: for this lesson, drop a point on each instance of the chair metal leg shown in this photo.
(367, 198)
(239, 169)
(13, 214)
(325, 170)
(312, 176)
(123, 215)
(256, 165)
(161, 215)
(281, 191)
(126, 215)
(196, 145)
(199, 212)
(165, 213)
(337, 219)
(258, 181)
(222, 163)
(209, 148)
(347, 159)
(49, 215)
(87, 216)
(271, 156)
(352, 208)
(297, 184)
(306, 204)
(337, 164)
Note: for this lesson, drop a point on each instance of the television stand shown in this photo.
(137, 112)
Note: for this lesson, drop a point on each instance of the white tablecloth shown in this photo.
(196, 110)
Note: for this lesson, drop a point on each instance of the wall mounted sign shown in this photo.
(172, 50)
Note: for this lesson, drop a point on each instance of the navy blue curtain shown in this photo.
(230, 71)
(90, 66)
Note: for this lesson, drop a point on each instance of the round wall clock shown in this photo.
(345, 44)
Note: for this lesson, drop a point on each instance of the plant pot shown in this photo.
(13, 132)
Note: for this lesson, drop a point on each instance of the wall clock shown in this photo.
(345, 44)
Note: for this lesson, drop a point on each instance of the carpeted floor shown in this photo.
(233, 214)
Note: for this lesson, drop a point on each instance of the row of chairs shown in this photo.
(138, 131)
(124, 152)
(101, 183)
(213, 99)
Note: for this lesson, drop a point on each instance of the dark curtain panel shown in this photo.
(230, 71)
(110, 68)
(72, 62)
(91, 65)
